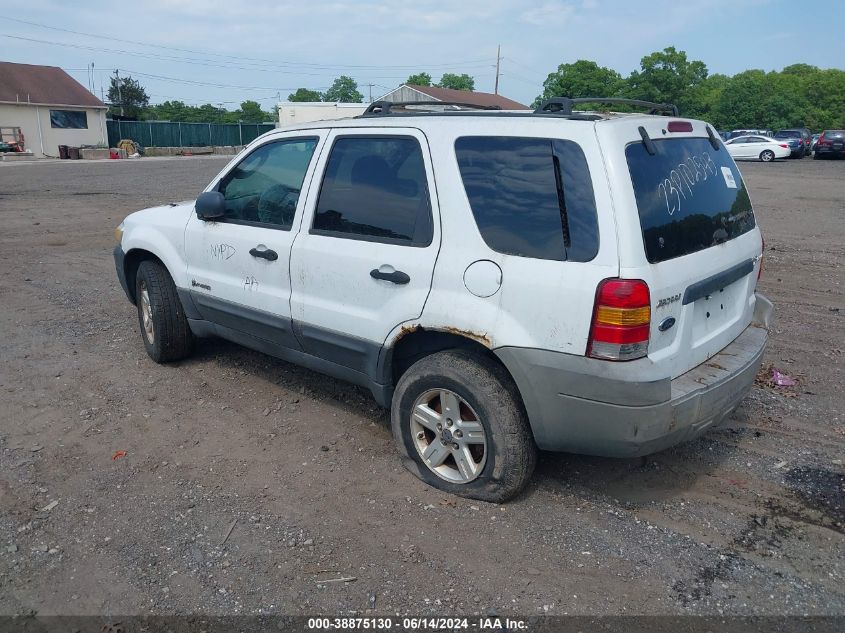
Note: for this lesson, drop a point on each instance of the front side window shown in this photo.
(375, 188)
(264, 187)
(70, 119)
(531, 197)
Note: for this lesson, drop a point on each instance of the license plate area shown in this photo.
(717, 310)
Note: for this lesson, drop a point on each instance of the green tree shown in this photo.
(304, 94)
(709, 93)
(825, 90)
(127, 97)
(582, 78)
(761, 100)
(668, 76)
(420, 79)
(167, 111)
(802, 70)
(457, 82)
(251, 112)
(344, 90)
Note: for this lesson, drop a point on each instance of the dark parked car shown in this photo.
(802, 147)
(831, 143)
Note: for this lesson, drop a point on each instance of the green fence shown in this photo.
(167, 134)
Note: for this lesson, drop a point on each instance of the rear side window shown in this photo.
(531, 197)
(375, 188)
(689, 196)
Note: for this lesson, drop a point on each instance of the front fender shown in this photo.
(156, 242)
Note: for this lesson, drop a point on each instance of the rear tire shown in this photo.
(495, 463)
(164, 326)
(767, 156)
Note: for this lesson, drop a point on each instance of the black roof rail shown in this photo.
(564, 105)
(384, 108)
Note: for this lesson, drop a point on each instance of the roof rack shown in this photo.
(564, 105)
(384, 108)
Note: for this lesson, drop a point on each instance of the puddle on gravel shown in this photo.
(822, 491)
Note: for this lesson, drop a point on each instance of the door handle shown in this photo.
(268, 254)
(395, 277)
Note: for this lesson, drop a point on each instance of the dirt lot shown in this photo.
(748, 520)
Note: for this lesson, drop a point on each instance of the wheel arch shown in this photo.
(415, 342)
(132, 261)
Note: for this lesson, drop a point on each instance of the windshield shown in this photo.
(689, 195)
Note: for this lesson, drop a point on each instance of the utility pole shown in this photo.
(119, 94)
(498, 60)
(370, 86)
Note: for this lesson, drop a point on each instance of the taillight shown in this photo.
(621, 320)
(784, 145)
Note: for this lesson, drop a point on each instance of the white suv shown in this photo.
(503, 281)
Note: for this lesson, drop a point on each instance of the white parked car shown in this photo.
(755, 147)
(502, 281)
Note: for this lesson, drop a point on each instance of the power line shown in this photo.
(178, 59)
(273, 62)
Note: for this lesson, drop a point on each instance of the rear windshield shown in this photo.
(689, 196)
(834, 133)
(788, 134)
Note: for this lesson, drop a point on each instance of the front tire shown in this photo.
(460, 426)
(767, 156)
(164, 326)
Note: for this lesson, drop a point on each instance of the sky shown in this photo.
(226, 51)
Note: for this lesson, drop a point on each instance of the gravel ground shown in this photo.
(249, 484)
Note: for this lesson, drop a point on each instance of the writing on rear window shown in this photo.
(689, 195)
(687, 174)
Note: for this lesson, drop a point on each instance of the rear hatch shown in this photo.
(834, 139)
(685, 227)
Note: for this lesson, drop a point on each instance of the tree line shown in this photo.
(128, 98)
(800, 95)
(345, 89)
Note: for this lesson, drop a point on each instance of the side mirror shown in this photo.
(210, 205)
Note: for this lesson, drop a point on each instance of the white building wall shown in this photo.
(291, 113)
(41, 138)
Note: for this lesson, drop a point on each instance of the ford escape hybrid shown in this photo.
(502, 281)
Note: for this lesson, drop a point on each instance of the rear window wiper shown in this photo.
(649, 144)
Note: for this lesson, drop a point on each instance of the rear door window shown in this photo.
(375, 188)
(689, 197)
(531, 197)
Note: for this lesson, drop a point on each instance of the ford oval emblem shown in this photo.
(666, 323)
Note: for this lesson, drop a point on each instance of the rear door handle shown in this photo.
(266, 253)
(395, 277)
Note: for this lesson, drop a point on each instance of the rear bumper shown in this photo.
(824, 150)
(579, 405)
